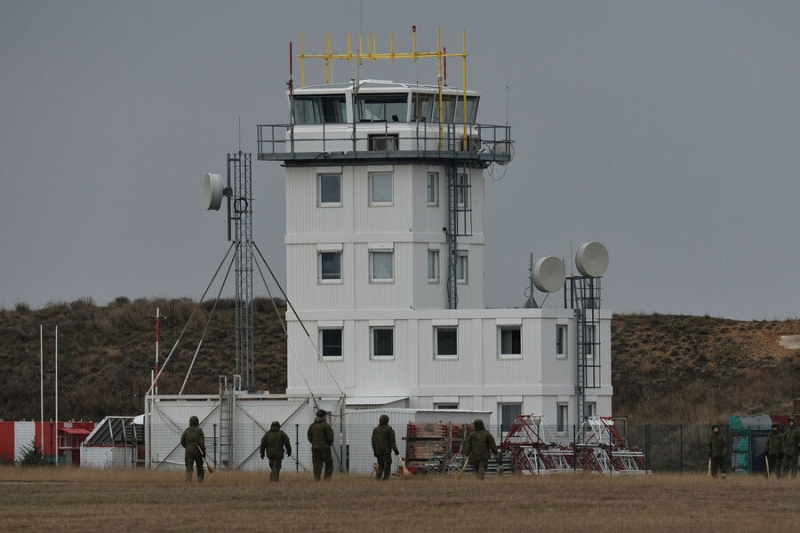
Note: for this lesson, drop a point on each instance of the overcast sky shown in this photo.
(668, 131)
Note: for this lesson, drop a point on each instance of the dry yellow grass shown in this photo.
(61, 499)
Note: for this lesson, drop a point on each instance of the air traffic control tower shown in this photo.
(385, 251)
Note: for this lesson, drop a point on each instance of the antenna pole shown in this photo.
(158, 324)
(55, 453)
(41, 386)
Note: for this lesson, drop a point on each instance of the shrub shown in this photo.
(32, 456)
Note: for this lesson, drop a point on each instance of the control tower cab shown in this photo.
(378, 119)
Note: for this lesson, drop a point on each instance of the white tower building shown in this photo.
(385, 250)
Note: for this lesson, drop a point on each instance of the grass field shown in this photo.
(69, 499)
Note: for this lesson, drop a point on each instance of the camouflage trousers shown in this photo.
(191, 462)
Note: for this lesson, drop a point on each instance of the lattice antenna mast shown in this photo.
(240, 213)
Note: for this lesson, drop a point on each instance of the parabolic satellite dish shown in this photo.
(549, 274)
(591, 259)
(212, 191)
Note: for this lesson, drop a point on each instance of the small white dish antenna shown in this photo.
(212, 191)
(591, 259)
(549, 274)
(504, 148)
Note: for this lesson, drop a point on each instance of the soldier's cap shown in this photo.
(774, 426)
(715, 426)
(321, 412)
(791, 419)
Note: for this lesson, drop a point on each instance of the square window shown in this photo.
(382, 342)
(510, 341)
(446, 339)
(330, 266)
(561, 341)
(329, 189)
(380, 188)
(433, 188)
(330, 341)
(381, 265)
(462, 267)
(433, 265)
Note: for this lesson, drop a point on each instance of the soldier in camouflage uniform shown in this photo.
(773, 447)
(320, 435)
(194, 441)
(716, 452)
(273, 443)
(479, 446)
(383, 444)
(791, 445)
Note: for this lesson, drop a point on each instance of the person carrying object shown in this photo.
(194, 442)
(383, 444)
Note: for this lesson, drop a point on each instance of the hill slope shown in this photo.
(665, 368)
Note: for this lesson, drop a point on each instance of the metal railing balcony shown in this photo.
(375, 141)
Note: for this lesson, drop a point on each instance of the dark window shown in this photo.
(331, 342)
(446, 341)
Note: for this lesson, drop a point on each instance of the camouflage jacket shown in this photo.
(480, 444)
(320, 434)
(383, 440)
(274, 442)
(192, 438)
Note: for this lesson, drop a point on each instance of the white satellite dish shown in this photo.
(504, 148)
(549, 274)
(591, 259)
(212, 191)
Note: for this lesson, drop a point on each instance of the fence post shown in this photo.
(296, 448)
(647, 448)
(681, 449)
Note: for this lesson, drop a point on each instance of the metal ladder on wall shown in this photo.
(227, 407)
(586, 303)
(459, 222)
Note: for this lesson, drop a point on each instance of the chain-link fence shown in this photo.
(666, 448)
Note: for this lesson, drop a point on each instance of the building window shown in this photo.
(462, 190)
(433, 265)
(561, 341)
(446, 339)
(330, 341)
(381, 265)
(589, 341)
(508, 415)
(462, 267)
(562, 418)
(329, 187)
(590, 409)
(380, 188)
(382, 344)
(433, 188)
(330, 266)
(442, 406)
(510, 341)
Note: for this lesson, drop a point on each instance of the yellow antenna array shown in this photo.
(372, 55)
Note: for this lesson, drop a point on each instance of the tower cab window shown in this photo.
(319, 109)
(382, 108)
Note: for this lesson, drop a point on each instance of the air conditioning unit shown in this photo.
(382, 143)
